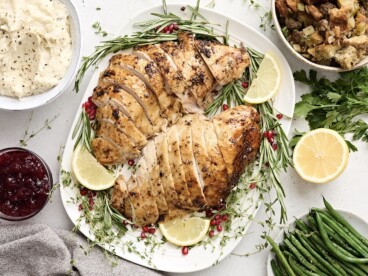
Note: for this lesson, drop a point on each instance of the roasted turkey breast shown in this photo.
(213, 153)
(149, 108)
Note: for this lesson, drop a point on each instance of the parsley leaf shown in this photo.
(337, 105)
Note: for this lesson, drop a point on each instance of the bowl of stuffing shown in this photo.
(40, 51)
(330, 35)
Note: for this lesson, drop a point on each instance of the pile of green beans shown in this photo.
(324, 245)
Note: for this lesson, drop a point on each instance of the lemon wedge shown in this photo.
(321, 156)
(267, 82)
(185, 231)
(89, 172)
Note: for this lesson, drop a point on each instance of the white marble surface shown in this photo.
(348, 192)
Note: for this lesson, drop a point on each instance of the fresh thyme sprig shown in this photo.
(27, 136)
(98, 29)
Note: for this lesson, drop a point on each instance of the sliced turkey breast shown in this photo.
(209, 160)
(238, 138)
(194, 181)
(139, 91)
(176, 167)
(173, 77)
(165, 171)
(114, 116)
(226, 63)
(120, 194)
(150, 156)
(106, 152)
(118, 97)
(170, 104)
(110, 132)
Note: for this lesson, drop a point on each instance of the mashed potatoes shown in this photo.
(35, 46)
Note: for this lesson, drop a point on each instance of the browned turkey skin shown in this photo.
(150, 105)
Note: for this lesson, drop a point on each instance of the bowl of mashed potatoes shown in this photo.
(40, 51)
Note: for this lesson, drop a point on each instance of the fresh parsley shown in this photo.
(336, 105)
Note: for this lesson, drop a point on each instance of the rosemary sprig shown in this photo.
(84, 131)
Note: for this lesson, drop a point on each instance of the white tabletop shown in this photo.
(348, 192)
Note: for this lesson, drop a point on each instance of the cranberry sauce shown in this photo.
(24, 183)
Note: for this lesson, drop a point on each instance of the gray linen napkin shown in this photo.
(39, 250)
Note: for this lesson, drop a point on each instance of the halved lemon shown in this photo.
(89, 172)
(185, 231)
(267, 82)
(321, 155)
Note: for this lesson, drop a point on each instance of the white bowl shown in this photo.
(362, 63)
(30, 102)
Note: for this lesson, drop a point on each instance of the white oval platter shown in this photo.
(168, 257)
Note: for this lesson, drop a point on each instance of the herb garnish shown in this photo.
(98, 29)
(27, 136)
(335, 104)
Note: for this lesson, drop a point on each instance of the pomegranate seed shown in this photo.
(92, 117)
(165, 29)
(221, 206)
(131, 162)
(143, 235)
(224, 217)
(274, 147)
(176, 27)
(168, 32)
(225, 107)
(90, 99)
(89, 194)
(213, 222)
(219, 228)
(279, 116)
(152, 231)
(171, 27)
(145, 229)
(218, 221)
(87, 105)
(91, 202)
(80, 207)
(185, 250)
(218, 217)
(209, 213)
(252, 185)
(83, 191)
(268, 134)
(271, 140)
(87, 109)
(245, 84)
(94, 193)
(124, 222)
(135, 226)
(211, 233)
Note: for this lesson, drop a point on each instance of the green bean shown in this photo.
(301, 258)
(301, 226)
(351, 241)
(344, 229)
(299, 269)
(280, 256)
(334, 236)
(319, 258)
(341, 220)
(307, 254)
(352, 269)
(320, 247)
(281, 267)
(331, 246)
(275, 269)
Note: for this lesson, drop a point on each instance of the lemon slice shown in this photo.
(267, 82)
(89, 172)
(321, 156)
(185, 231)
